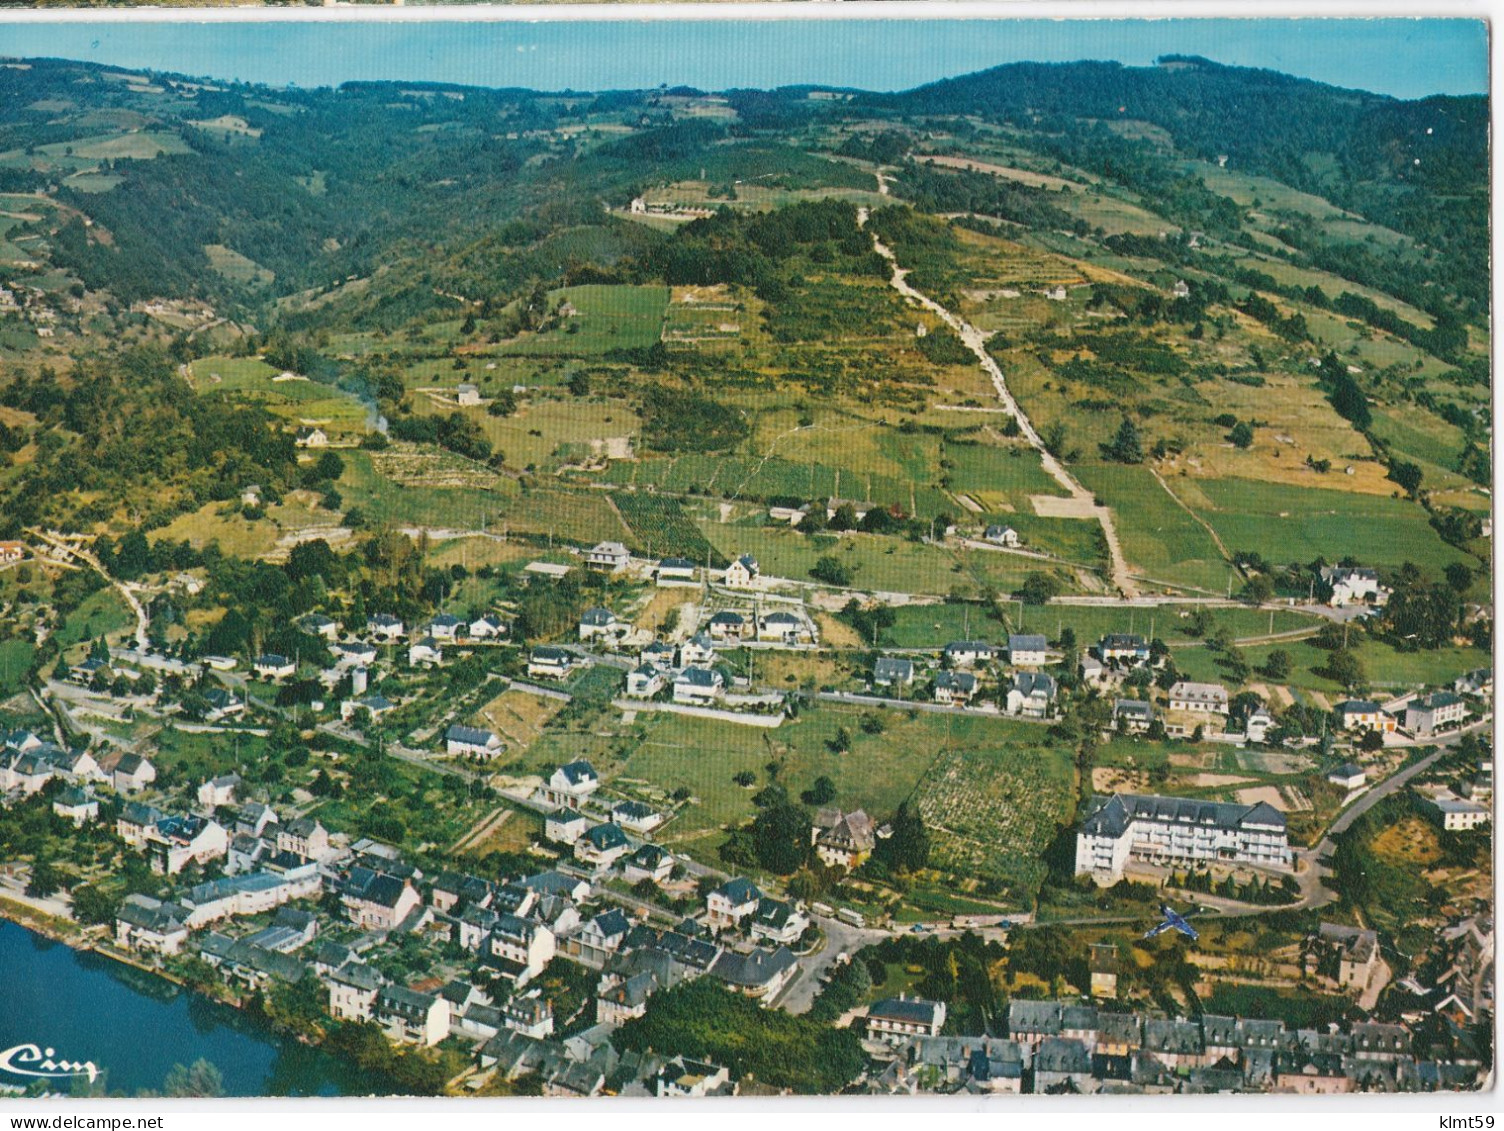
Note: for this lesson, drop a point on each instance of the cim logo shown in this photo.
(29, 1060)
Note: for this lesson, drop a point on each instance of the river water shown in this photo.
(135, 1027)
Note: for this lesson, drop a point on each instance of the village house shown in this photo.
(1132, 716)
(729, 904)
(532, 1016)
(894, 1018)
(697, 652)
(303, 836)
(411, 1018)
(783, 628)
(355, 652)
(133, 773)
(727, 625)
(385, 626)
(24, 773)
(1348, 776)
(424, 651)
(967, 653)
(644, 682)
(608, 557)
(674, 571)
(742, 573)
(635, 816)
(1027, 650)
(599, 938)
(777, 921)
(1432, 713)
(466, 395)
(570, 786)
(218, 791)
(601, 624)
(1349, 586)
(602, 846)
(843, 840)
(523, 947)
(1002, 536)
(1458, 815)
(311, 438)
(373, 705)
(376, 901)
(488, 626)
(1349, 954)
(135, 822)
(1257, 726)
(461, 740)
(445, 626)
(250, 894)
(548, 661)
(649, 862)
(317, 624)
(175, 842)
(1363, 715)
(273, 665)
(892, 671)
(625, 999)
(76, 804)
(1201, 698)
(148, 924)
(1123, 648)
(1030, 695)
(223, 704)
(760, 973)
(685, 1077)
(699, 686)
(352, 991)
(956, 689)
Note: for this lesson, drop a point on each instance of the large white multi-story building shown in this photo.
(1178, 830)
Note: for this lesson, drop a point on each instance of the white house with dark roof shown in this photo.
(1362, 715)
(148, 924)
(1132, 716)
(760, 973)
(698, 686)
(273, 665)
(843, 840)
(968, 653)
(1201, 698)
(894, 1019)
(408, 1017)
(425, 651)
(777, 921)
(1000, 535)
(548, 661)
(608, 557)
(1030, 695)
(955, 689)
(674, 571)
(1348, 776)
(218, 791)
(601, 624)
(385, 626)
(648, 862)
(1123, 648)
(445, 626)
(742, 573)
(602, 846)
(1027, 650)
(729, 904)
(565, 826)
(1351, 586)
(892, 671)
(352, 989)
(782, 627)
(727, 625)
(487, 627)
(645, 681)
(464, 740)
(77, 804)
(571, 785)
(1431, 713)
(303, 836)
(636, 816)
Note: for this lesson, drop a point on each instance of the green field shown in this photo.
(15, 659)
(102, 612)
(1159, 538)
(1287, 525)
(607, 318)
(660, 528)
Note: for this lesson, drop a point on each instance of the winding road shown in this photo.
(1081, 503)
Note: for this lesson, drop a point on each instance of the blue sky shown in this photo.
(1406, 58)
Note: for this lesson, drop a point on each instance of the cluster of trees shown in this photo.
(684, 420)
(703, 1019)
(459, 433)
